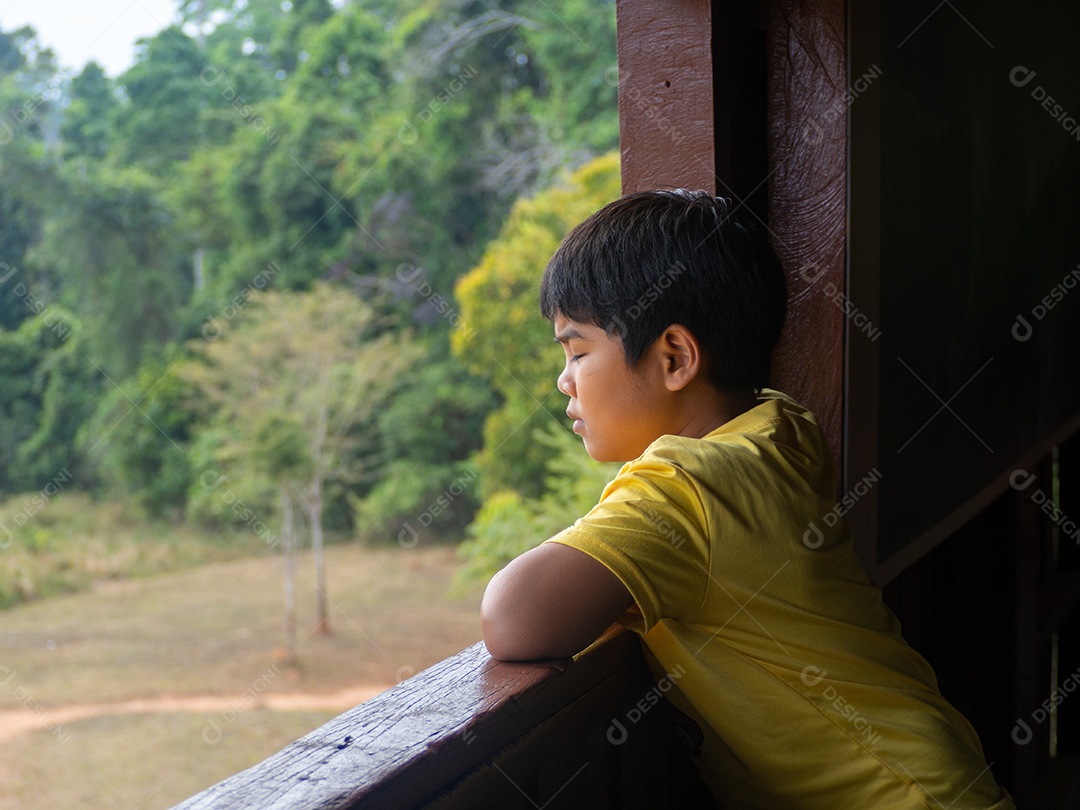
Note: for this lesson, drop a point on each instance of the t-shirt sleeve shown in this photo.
(649, 529)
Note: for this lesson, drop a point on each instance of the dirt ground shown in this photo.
(106, 697)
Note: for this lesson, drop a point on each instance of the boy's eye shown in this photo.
(574, 357)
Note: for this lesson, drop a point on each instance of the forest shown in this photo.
(279, 277)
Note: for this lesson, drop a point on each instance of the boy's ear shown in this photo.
(681, 356)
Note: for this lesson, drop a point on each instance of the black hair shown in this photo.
(656, 258)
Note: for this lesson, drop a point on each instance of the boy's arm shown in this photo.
(551, 602)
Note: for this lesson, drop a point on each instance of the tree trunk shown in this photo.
(314, 504)
(288, 558)
(197, 269)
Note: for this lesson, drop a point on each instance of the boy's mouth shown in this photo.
(578, 423)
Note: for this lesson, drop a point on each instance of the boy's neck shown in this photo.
(710, 408)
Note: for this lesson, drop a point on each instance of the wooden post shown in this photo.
(666, 128)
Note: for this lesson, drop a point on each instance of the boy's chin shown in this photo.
(606, 454)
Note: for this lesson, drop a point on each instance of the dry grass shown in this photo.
(69, 542)
(214, 630)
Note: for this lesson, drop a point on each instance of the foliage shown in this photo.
(429, 432)
(108, 242)
(318, 362)
(138, 437)
(49, 393)
(255, 153)
(502, 337)
(509, 525)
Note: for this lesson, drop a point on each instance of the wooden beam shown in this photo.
(807, 203)
(666, 128)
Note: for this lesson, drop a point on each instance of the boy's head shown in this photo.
(657, 258)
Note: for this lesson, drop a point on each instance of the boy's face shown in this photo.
(617, 410)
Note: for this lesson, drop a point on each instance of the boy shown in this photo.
(668, 305)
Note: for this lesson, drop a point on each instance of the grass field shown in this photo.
(201, 649)
(67, 543)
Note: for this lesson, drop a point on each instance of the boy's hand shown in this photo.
(551, 602)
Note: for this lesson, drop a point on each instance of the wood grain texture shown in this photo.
(666, 129)
(807, 199)
(419, 739)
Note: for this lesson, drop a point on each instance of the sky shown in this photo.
(81, 30)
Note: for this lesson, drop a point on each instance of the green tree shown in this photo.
(322, 365)
(429, 432)
(508, 525)
(504, 340)
(87, 130)
(163, 121)
(108, 239)
(138, 438)
(49, 390)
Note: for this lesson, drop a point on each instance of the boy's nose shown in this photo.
(564, 384)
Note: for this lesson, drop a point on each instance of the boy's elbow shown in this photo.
(496, 639)
(496, 623)
(509, 634)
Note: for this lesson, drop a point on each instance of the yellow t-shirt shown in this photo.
(771, 639)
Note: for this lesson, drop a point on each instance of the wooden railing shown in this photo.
(472, 732)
